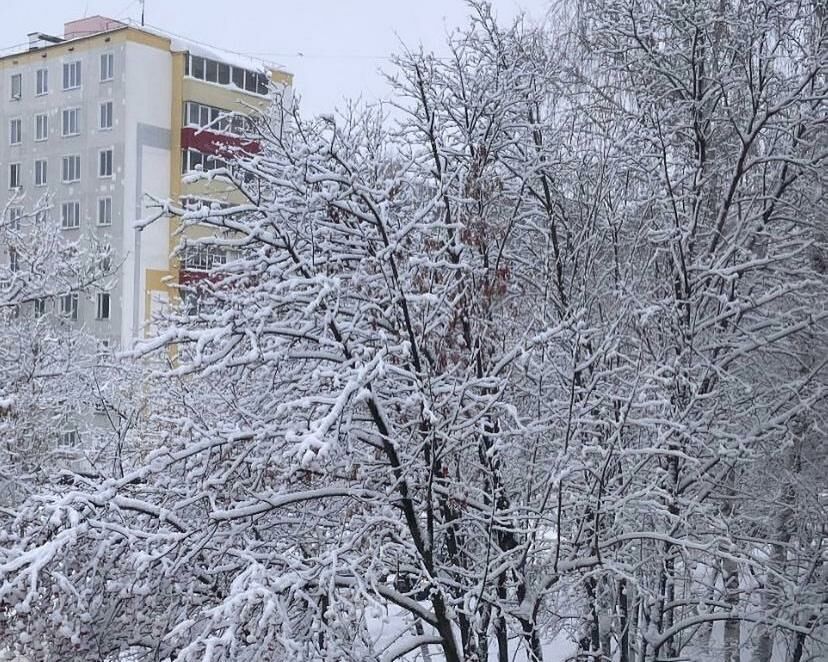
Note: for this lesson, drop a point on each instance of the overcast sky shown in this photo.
(343, 43)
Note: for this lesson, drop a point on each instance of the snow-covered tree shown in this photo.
(542, 351)
(716, 191)
(46, 362)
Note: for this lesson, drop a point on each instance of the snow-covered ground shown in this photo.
(389, 630)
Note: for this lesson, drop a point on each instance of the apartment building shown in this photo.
(105, 118)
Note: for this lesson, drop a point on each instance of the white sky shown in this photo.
(344, 42)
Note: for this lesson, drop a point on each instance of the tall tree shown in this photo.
(47, 363)
(543, 352)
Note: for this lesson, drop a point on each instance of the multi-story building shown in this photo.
(103, 121)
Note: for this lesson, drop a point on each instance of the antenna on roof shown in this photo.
(142, 11)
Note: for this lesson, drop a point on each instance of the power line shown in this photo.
(319, 56)
(124, 11)
(261, 54)
(298, 55)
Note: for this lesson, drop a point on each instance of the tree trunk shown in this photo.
(534, 651)
(418, 628)
(502, 639)
(623, 622)
(799, 646)
(764, 647)
(732, 627)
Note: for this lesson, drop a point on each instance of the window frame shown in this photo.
(15, 175)
(207, 162)
(16, 80)
(225, 68)
(70, 438)
(39, 306)
(73, 111)
(69, 311)
(199, 115)
(103, 306)
(204, 258)
(217, 72)
(251, 81)
(75, 159)
(75, 206)
(110, 162)
(211, 70)
(42, 82)
(197, 59)
(41, 172)
(238, 71)
(105, 205)
(110, 115)
(45, 117)
(15, 213)
(262, 85)
(15, 123)
(109, 58)
(69, 68)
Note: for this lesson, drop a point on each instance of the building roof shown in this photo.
(94, 26)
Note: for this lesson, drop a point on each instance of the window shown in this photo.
(197, 114)
(70, 215)
(69, 306)
(41, 82)
(192, 160)
(39, 307)
(213, 71)
(104, 211)
(71, 171)
(250, 81)
(103, 350)
(14, 175)
(71, 122)
(241, 125)
(16, 86)
(203, 258)
(14, 263)
(69, 438)
(107, 66)
(200, 115)
(197, 67)
(40, 172)
(41, 126)
(223, 74)
(106, 115)
(106, 260)
(14, 215)
(238, 77)
(15, 131)
(71, 75)
(191, 116)
(103, 306)
(105, 163)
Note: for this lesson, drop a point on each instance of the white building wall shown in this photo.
(147, 99)
(87, 144)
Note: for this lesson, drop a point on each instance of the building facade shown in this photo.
(103, 122)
